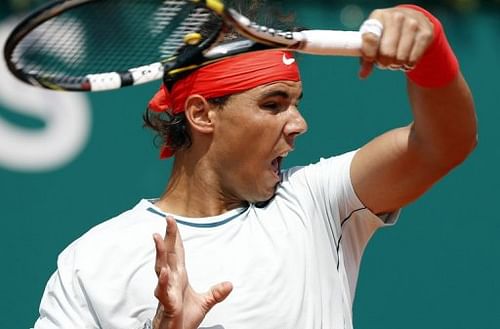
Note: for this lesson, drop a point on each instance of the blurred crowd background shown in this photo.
(68, 161)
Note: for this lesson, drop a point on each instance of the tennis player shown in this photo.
(264, 247)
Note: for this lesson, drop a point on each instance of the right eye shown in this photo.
(273, 106)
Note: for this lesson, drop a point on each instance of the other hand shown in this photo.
(179, 307)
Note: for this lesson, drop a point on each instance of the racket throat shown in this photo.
(262, 34)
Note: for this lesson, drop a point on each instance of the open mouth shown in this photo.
(276, 163)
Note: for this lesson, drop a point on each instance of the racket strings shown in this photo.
(192, 24)
(165, 15)
(49, 36)
(108, 36)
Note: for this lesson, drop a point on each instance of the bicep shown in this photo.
(388, 172)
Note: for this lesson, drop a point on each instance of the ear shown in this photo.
(198, 114)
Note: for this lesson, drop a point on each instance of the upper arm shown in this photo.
(63, 304)
(400, 165)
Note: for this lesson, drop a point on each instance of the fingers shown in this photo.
(161, 255)
(173, 241)
(170, 234)
(169, 267)
(173, 291)
(162, 271)
(369, 50)
(171, 237)
(390, 40)
(404, 39)
(178, 245)
(371, 33)
(169, 250)
(217, 294)
(366, 69)
(161, 291)
(424, 38)
(408, 30)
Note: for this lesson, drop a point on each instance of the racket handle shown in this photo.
(329, 42)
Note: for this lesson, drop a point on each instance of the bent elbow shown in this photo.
(459, 152)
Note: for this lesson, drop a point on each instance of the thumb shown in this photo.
(217, 294)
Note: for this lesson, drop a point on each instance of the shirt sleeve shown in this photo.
(63, 302)
(327, 194)
(357, 226)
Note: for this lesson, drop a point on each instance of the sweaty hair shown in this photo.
(173, 130)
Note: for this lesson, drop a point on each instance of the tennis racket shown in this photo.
(93, 45)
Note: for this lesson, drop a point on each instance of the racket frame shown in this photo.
(190, 57)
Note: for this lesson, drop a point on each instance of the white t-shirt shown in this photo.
(283, 260)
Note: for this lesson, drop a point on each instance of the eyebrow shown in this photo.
(280, 93)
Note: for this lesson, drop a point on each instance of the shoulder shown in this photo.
(331, 167)
(120, 236)
(108, 270)
(322, 189)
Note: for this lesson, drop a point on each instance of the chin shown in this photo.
(264, 197)
(264, 201)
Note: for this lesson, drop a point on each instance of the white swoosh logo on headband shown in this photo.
(288, 61)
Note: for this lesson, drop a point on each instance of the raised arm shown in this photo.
(400, 165)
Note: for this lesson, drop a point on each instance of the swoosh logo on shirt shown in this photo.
(288, 61)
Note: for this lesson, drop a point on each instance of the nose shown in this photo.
(296, 124)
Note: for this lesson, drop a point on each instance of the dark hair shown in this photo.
(172, 130)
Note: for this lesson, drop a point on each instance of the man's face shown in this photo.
(253, 133)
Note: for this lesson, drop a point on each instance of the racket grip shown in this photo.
(329, 42)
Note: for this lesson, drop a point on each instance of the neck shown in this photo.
(193, 190)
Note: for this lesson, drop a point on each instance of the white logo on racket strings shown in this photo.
(288, 61)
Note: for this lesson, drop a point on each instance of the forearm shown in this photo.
(445, 128)
(445, 123)
(411, 159)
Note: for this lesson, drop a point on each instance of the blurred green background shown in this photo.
(69, 161)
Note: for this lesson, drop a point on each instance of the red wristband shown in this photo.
(438, 66)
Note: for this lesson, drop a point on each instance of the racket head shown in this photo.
(247, 36)
(92, 45)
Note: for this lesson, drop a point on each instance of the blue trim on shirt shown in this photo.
(200, 225)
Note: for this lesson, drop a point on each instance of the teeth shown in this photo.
(284, 155)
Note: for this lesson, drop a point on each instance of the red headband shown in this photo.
(228, 76)
(225, 77)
